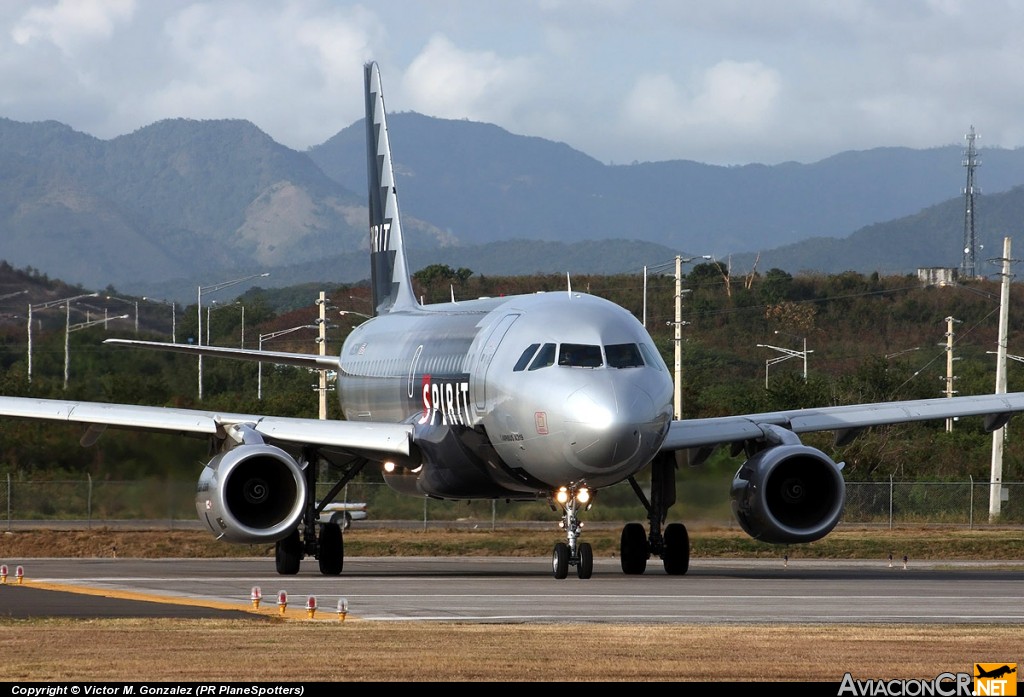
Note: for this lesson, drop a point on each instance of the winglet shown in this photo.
(389, 271)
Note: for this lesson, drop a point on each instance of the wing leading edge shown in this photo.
(383, 438)
(311, 361)
(845, 421)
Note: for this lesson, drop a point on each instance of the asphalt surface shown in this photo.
(505, 589)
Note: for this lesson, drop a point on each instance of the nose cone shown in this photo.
(612, 426)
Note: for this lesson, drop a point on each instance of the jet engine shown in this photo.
(252, 493)
(788, 493)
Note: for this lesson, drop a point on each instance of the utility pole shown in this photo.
(677, 400)
(949, 366)
(968, 268)
(322, 341)
(998, 436)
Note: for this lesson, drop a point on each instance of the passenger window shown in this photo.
(580, 356)
(544, 358)
(623, 356)
(525, 358)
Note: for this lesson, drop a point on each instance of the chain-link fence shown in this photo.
(968, 504)
(159, 503)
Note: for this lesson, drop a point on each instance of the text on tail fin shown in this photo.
(389, 272)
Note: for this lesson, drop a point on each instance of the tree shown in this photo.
(431, 276)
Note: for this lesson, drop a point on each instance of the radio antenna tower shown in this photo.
(968, 269)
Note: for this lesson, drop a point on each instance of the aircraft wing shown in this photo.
(845, 421)
(302, 360)
(346, 435)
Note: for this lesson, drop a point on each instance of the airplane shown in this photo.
(994, 673)
(535, 397)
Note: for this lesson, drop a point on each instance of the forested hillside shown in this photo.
(868, 338)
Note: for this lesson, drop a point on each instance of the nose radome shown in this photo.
(606, 424)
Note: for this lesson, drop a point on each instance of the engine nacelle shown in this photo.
(788, 493)
(251, 494)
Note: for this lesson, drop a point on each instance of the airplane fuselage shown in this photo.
(512, 397)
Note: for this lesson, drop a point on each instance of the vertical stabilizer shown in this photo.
(389, 271)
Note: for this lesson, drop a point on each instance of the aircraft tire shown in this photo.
(677, 549)
(633, 549)
(332, 549)
(288, 554)
(585, 567)
(560, 560)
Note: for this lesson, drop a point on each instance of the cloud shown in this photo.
(731, 99)
(447, 82)
(281, 66)
(733, 81)
(69, 24)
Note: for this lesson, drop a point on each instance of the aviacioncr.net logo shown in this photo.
(995, 679)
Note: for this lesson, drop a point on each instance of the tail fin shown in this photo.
(389, 270)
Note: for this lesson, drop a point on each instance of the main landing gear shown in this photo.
(636, 547)
(329, 545)
(572, 552)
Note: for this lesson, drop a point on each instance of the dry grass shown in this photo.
(716, 542)
(247, 651)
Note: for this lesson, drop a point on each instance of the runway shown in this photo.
(522, 590)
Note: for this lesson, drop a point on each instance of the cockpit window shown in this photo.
(580, 356)
(652, 358)
(623, 356)
(525, 358)
(544, 357)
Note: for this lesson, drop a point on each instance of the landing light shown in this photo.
(563, 495)
(389, 467)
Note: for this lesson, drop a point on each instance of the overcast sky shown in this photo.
(717, 81)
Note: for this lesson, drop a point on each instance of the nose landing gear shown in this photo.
(572, 552)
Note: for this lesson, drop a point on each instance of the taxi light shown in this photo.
(389, 467)
(310, 606)
(342, 608)
(282, 601)
(562, 495)
(256, 596)
(583, 495)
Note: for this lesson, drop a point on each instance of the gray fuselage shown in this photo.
(512, 397)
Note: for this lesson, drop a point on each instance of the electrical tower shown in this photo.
(968, 269)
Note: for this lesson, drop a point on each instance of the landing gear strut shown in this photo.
(673, 546)
(329, 545)
(572, 552)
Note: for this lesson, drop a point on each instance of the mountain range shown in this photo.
(182, 203)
